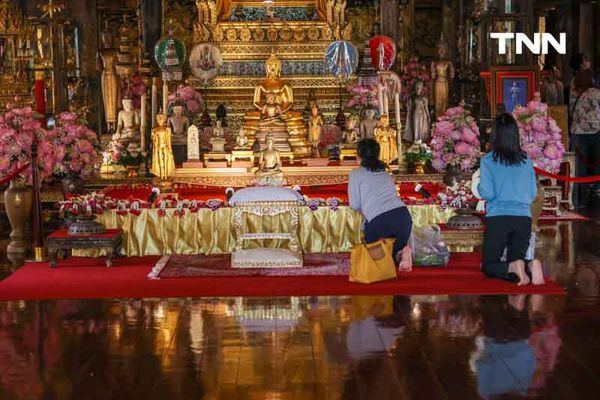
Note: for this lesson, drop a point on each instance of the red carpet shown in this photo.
(566, 215)
(79, 278)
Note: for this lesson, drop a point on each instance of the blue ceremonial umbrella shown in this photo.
(341, 58)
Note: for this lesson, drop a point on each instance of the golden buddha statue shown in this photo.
(386, 137)
(269, 166)
(163, 163)
(273, 101)
(442, 71)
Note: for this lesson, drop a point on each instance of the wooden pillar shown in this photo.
(151, 24)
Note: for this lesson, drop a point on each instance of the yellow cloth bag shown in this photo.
(372, 262)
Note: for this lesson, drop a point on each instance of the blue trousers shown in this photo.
(396, 223)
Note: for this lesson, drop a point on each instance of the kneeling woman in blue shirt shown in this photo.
(372, 192)
(508, 185)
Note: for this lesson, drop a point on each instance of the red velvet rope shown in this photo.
(10, 176)
(583, 179)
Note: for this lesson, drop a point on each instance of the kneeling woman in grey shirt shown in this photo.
(372, 192)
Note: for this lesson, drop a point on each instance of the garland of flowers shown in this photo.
(18, 129)
(76, 148)
(457, 196)
(540, 135)
(455, 140)
(414, 72)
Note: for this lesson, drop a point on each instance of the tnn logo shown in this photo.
(539, 44)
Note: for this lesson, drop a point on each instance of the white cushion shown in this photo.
(264, 193)
(265, 258)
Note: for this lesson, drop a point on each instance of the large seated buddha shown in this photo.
(273, 100)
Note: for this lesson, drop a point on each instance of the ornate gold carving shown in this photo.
(272, 34)
(259, 34)
(313, 33)
(231, 35)
(286, 33)
(245, 35)
(299, 34)
(218, 34)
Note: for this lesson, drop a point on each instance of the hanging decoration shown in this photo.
(169, 54)
(205, 61)
(383, 52)
(341, 58)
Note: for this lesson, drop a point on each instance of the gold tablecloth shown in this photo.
(211, 232)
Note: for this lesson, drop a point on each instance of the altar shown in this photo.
(320, 230)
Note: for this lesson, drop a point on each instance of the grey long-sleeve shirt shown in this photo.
(372, 193)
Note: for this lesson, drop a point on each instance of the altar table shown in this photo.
(323, 230)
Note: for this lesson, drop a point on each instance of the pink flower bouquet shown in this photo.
(363, 96)
(540, 135)
(76, 150)
(18, 130)
(189, 96)
(455, 140)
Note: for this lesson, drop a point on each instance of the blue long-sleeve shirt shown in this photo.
(507, 189)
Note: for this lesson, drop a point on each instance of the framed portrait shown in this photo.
(511, 87)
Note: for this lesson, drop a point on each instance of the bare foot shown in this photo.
(518, 267)
(517, 301)
(537, 273)
(405, 264)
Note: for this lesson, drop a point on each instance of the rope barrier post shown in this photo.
(38, 241)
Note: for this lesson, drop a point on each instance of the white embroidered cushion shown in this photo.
(264, 193)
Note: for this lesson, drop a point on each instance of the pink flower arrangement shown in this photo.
(540, 135)
(330, 135)
(455, 140)
(189, 96)
(18, 129)
(76, 150)
(414, 72)
(363, 96)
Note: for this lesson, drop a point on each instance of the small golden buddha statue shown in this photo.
(269, 166)
(314, 126)
(273, 101)
(386, 137)
(442, 71)
(163, 163)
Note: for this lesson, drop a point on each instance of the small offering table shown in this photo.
(62, 240)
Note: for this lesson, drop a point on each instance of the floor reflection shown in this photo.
(378, 347)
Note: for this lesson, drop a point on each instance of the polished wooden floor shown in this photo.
(458, 347)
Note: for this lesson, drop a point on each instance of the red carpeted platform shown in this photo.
(88, 278)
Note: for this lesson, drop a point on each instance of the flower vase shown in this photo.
(72, 184)
(18, 200)
(453, 175)
(419, 166)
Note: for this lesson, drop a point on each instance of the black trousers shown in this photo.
(396, 223)
(502, 232)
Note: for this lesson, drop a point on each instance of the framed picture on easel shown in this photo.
(511, 87)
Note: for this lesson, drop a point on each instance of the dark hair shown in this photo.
(584, 80)
(368, 150)
(505, 141)
(577, 61)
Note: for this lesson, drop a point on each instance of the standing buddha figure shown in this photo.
(442, 71)
(163, 163)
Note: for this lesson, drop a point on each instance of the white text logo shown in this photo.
(539, 44)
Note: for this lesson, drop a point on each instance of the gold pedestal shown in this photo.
(348, 154)
(242, 155)
(217, 156)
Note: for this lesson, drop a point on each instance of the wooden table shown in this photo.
(62, 240)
